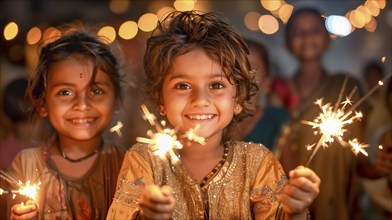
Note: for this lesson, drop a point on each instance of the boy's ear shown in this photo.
(43, 111)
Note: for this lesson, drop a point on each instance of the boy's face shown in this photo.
(308, 39)
(197, 92)
(76, 110)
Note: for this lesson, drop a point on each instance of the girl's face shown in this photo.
(308, 38)
(197, 92)
(75, 109)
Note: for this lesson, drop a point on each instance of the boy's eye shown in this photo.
(182, 86)
(65, 92)
(217, 85)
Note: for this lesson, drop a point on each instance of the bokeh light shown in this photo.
(184, 5)
(50, 34)
(33, 36)
(147, 22)
(372, 25)
(285, 12)
(10, 31)
(338, 25)
(268, 24)
(119, 6)
(271, 5)
(128, 30)
(251, 20)
(107, 34)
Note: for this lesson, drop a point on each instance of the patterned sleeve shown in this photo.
(269, 183)
(134, 175)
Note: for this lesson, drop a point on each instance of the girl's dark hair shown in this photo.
(74, 41)
(293, 17)
(181, 32)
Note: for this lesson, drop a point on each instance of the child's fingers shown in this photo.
(291, 205)
(302, 171)
(149, 214)
(23, 212)
(297, 193)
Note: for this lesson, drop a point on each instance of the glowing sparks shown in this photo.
(164, 140)
(383, 59)
(117, 128)
(24, 189)
(380, 147)
(332, 121)
(192, 135)
(29, 190)
(357, 147)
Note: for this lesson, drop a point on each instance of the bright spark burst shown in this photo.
(24, 189)
(164, 140)
(29, 190)
(332, 121)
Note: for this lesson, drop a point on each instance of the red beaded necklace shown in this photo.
(217, 167)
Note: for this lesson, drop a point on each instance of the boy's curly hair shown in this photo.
(181, 32)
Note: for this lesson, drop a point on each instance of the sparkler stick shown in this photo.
(331, 121)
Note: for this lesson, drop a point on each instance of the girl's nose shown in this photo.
(200, 97)
(82, 103)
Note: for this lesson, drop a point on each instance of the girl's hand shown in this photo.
(299, 193)
(157, 203)
(21, 211)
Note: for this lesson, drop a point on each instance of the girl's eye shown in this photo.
(217, 85)
(97, 91)
(182, 86)
(65, 92)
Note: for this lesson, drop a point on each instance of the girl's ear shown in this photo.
(237, 109)
(43, 111)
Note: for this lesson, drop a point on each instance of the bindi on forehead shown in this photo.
(81, 75)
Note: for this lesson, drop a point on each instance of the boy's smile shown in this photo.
(198, 92)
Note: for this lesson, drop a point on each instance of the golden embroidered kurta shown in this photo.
(248, 183)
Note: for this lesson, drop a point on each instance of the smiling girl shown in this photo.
(76, 86)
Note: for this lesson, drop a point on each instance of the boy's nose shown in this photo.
(200, 97)
(82, 103)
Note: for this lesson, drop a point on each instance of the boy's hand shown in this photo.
(21, 211)
(157, 203)
(299, 193)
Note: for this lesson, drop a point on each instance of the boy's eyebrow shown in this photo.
(182, 75)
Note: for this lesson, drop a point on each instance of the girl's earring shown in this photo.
(237, 109)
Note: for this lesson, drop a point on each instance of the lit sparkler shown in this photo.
(24, 189)
(332, 121)
(163, 139)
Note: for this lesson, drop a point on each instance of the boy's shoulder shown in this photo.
(250, 147)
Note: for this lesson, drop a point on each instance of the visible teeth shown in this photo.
(80, 121)
(200, 117)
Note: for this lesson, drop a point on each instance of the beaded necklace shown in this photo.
(79, 159)
(217, 167)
